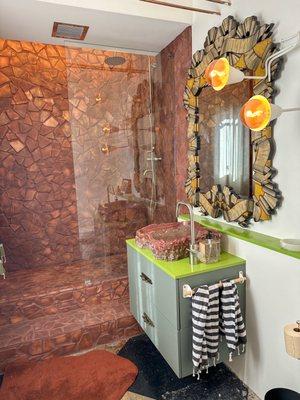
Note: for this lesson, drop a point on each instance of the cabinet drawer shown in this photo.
(149, 286)
(208, 279)
(163, 335)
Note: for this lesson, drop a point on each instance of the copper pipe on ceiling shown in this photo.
(228, 2)
(163, 3)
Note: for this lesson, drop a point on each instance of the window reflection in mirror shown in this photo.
(225, 155)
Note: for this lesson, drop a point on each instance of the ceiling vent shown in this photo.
(69, 31)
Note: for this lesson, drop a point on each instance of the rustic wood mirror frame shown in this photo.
(246, 46)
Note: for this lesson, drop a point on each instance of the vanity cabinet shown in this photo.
(157, 303)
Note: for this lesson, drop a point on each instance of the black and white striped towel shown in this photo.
(205, 321)
(231, 321)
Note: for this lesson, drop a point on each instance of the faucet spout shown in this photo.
(193, 248)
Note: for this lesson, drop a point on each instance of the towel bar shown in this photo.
(187, 291)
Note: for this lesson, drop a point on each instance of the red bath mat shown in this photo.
(98, 375)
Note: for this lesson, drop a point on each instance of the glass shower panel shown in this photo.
(113, 143)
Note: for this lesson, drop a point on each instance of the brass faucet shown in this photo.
(193, 247)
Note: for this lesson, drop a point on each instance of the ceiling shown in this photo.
(32, 20)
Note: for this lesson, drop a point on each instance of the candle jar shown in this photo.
(209, 250)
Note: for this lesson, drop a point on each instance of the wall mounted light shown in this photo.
(258, 112)
(220, 73)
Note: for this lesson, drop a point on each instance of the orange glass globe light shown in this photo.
(256, 113)
(217, 73)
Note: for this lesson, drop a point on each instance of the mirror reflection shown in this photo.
(225, 142)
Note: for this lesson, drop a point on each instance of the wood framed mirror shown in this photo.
(230, 169)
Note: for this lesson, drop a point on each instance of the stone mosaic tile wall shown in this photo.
(38, 220)
(65, 134)
(68, 125)
(182, 47)
(171, 123)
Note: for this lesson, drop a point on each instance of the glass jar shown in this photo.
(209, 250)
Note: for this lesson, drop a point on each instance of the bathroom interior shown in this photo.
(149, 203)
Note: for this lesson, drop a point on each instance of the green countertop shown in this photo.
(181, 268)
(269, 242)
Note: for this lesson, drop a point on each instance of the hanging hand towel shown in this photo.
(231, 321)
(205, 321)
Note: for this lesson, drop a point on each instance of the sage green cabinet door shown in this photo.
(186, 352)
(186, 312)
(157, 303)
(164, 336)
(208, 279)
(153, 286)
(134, 285)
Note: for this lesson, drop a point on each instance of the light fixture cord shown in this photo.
(291, 109)
(275, 56)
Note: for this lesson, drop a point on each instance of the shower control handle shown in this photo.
(154, 159)
(145, 278)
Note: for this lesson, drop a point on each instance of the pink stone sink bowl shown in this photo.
(170, 241)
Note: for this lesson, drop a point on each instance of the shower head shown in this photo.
(114, 61)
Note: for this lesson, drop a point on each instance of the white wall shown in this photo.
(274, 279)
(273, 300)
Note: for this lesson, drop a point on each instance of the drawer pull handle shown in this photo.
(147, 320)
(145, 278)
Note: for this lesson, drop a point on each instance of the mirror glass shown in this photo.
(225, 143)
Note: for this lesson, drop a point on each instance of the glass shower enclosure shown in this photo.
(114, 122)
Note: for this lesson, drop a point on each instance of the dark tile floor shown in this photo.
(156, 380)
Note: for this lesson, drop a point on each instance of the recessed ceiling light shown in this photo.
(69, 31)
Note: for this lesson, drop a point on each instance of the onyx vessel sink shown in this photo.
(170, 241)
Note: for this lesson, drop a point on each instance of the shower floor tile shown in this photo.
(47, 280)
(47, 291)
(64, 309)
(66, 333)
